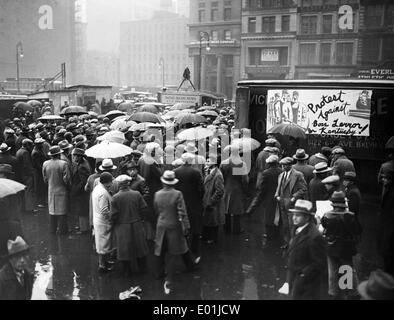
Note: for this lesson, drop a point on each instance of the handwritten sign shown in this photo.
(321, 112)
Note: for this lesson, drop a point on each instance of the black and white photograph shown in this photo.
(197, 151)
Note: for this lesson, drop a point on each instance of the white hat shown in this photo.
(107, 164)
(272, 159)
(123, 178)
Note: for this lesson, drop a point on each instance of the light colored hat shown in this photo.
(64, 145)
(268, 149)
(39, 140)
(54, 150)
(4, 148)
(78, 152)
(123, 179)
(9, 131)
(168, 178)
(286, 161)
(302, 206)
(270, 142)
(338, 151)
(300, 155)
(272, 159)
(188, 157)
(107, 164)
(191, 148)
(322, 167)
(334, 179)
(177, 163)
(17, 246)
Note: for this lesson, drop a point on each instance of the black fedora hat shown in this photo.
(379, 286)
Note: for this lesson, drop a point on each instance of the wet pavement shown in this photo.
(237, 267)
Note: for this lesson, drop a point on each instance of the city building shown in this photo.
(44, 34)
(102, 68)
(268, 39)
(215, 47)
(148, 46)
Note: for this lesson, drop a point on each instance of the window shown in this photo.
(325, 53)
(344, 53)
(227, 35)
(327, 24)
(228, 61)
(283, 55)
(228, 3)
(227, 14)
(201, 5)
(252, 25)
(201, 15)
(388, 49)
(214, 15)
(373, 16)
(215, 4)
(269, 24)
(285, 23)
(309, 25)
(307, 53)
(215, 36)
(254, 56)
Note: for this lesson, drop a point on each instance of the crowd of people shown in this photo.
(142, 199)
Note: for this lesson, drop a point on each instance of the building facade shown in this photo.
(215, 45)
(102, 68)
(268, 39)
(148, 46)
(50, 32)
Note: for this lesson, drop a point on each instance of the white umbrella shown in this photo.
(50, 117)
(9, 187)
(197, 133)
(113, 136)
(108, 150)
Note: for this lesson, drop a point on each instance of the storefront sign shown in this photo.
(321, 112)
(180, 98)
(376, 74)
(269, 55)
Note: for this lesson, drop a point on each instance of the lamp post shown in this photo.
(203, 36)
(19, 53)
(161, 64)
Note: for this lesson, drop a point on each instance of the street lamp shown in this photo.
(19, 53)
(203, 36)
(161, 64)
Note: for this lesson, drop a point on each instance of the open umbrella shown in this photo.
(50, 117)
(93, 114)
(113, 136)
(289, 129)
(246, 144)
(35, 103)
(146, 117)
(73, 110)
(197, 133)
(108, 150)
(181, 106)
(125, 106)
(183, 118)
(203, 108)
(121, 124)
(9, 187)
(114, 114)
(24, 106)
(208, 113)
(149, 108)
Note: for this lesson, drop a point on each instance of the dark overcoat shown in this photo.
(386, 230)
(342, 165)
(11, 289)
(317, 191)
(38, 158)
(213, 201)
(128, 210)
(79, 198)
(192, 188)
(307, 262)
(169, 207)
(307, 171)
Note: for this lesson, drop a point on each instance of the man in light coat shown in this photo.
(56, 174)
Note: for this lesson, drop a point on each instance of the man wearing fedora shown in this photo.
(302, 166)
(322, 156)
(38, 157)
(353, 194)
(56, 174)
(17, 276)
(26, 134)
(379, 286)
(306, 255)
(79, 198)
(264, 199)
(317, 189)
(291, 187)
(65, 146)
(340, 232)
(7, 158)
(10, 140)
(26, 170)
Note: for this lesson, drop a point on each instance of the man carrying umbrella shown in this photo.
(56, 174)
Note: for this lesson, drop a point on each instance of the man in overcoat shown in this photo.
(192, 187)
(317, 189)
(26, 173)
(79, 198)
(213, 202)
(265, 195)
(7, 158)
(341, 163)
(38, 157)
(291, 187)
(56, 174)
(306, 255)
(302, 166)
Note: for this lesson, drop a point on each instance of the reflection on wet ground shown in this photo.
(238, 267)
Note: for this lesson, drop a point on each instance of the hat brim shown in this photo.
(170, 183)
(8, 149)
(338, 204)
(304, 158)
(362, 290)
(26, 249)
(105, 169)
(54, 154)
(323, 171)
(302, 211)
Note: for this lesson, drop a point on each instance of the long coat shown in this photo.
(79, 198)
(128, 210)
(386, 227)
(38, 158)
(192, 187)
(10, 287)
(293, 187)
(26, 173)
(265, 195)
(317, 191)
(307, 261)
(213, 201)
(306, 169)
(138, 184)
(89, 189)
(235, 187)
(170, 207)
(261, 165)
(57, 175)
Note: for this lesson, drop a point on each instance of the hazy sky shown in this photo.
(104, 17)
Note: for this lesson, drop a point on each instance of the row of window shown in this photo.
(216, 35)
(270, 3)
(214, 15)
(268, 24)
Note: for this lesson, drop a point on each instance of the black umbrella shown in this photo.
(24, 106)
(146, 117)
(73, 110)
(184, 118)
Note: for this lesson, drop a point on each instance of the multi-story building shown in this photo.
(50, 32)
(102, 68)
(268, 39)
(216, 26)
(147, 46)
